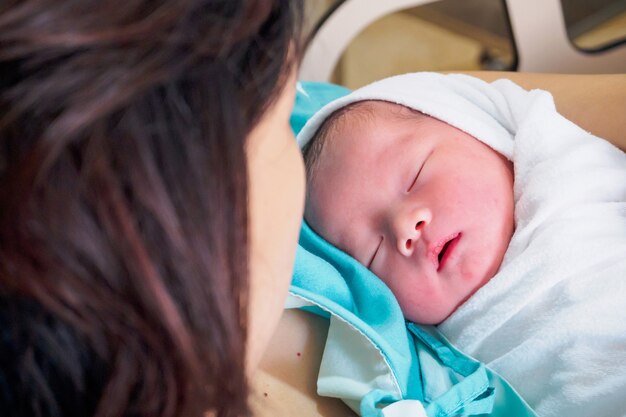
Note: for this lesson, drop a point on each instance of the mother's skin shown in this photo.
(286, 383)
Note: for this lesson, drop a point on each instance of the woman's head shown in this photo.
(126, 242)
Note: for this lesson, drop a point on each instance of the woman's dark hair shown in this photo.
(123, 200)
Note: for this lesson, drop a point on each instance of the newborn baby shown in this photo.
(487, 213)
(424, 205)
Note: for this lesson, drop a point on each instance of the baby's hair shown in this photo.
(313, 149)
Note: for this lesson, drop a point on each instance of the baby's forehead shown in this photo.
(368, 132)
(364, 116)
(354, 135)
(370, 114)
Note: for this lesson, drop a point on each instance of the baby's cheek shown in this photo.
(405, 294)
(467, 271)
(421, 303)
(475, 272)
(480, 195)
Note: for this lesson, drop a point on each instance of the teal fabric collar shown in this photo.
(338, 283)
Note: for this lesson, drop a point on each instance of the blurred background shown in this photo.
(448, 35)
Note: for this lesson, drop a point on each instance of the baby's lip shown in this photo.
(440, 252)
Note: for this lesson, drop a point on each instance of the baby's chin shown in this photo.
(428, 318)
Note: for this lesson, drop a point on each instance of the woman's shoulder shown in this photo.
(286, 383)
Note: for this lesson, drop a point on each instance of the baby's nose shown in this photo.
(409, 227)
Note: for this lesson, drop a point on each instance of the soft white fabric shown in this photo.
(553, 319)
(412, 408)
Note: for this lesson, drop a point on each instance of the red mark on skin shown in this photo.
(299, 354)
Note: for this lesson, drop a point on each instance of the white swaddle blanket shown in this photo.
(553, 319)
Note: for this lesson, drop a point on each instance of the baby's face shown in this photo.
(425, 206)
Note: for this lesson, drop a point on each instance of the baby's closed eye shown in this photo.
(371, 260)
(418, 173)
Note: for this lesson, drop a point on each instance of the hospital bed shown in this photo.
(538, 29)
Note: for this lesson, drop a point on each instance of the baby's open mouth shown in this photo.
(446, 250)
